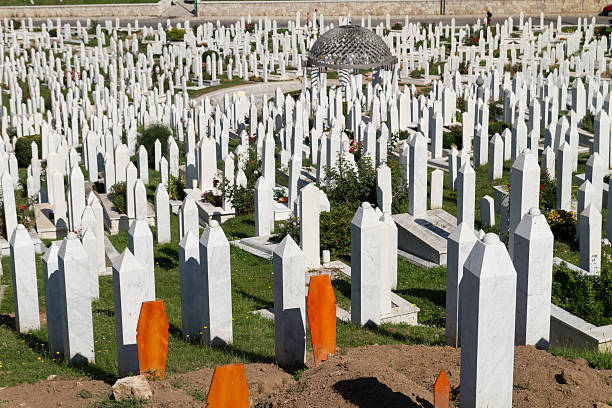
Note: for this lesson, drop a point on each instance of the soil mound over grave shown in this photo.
(370, 376)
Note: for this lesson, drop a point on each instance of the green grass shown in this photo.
(25, 358)
(596, 359)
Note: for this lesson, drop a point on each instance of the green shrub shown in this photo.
(148, 137)
(397, 26)
(453, 137)
(242, 197)
(588, 297)
(176, 34)
(176, 188)
(588, 121)
(562, 224)
(23, 149)
(335, 229)
(498, 127)
(351, 184)
(548, 192)
(117, 196)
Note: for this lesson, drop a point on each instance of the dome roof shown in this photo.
(350, 47)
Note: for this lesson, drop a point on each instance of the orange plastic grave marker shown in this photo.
(322, 317)
(441, 391)
(228, 388)
(152, 339)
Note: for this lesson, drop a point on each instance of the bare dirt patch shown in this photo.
(370, 376)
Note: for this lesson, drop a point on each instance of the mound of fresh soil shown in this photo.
(371, 376)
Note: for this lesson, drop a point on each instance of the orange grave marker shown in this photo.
(152, 339)
(228, 388)
(322, 317)
(441, 391)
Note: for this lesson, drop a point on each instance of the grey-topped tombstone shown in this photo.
(25, 286)
(366, 279)
(192, 316)
(140, 243)
(75, 301)
(162, 214)
(216, 284)
(289, 304)
(459, 245)
(533, 260)
(488, 302)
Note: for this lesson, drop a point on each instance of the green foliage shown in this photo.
(23, 149)
(568, 29)
(148, 137)
(242, 197)
(562, 224)
(397, 26)
(336, 229)
(588, 297)
(290, 226)
(513, 69)
(498, 127)
(453, 137)
(176, 34)
(495, 111)
(548, 192)
(599, 360)
(209, 52)
(348, 184)
(588, 121)
(176, 188)
(117, 196)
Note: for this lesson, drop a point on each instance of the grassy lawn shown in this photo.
(26, 357)
(194, 93)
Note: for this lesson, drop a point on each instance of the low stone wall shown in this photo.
(567, 330)
(397, 7)
(87, 10)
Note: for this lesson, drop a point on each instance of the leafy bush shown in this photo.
(242, 197)
(352, 185)
(588, 297)
(472, 40)
(548, 192)
(453, 137)
(498, 127)
(588, 121)
(117, 196)
(176, 188)
(176, 34)
(397, 26)
(335, 229)
(562, 224)
(513, 69)
(568, 29)
(148, 137)
(23, 149)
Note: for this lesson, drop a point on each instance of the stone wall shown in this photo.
(397, 7)
(88, 10)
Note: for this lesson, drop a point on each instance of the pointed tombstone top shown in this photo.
(161, 192)
(262, 184)
(188, 204)
(142, 150)
(365, 216)
(586, 187)
(88, 235)
(564, 147)
(418, 140)
(189, 241)
(213, 235)
(441, 391)
(139, 228)
(489, 259)
(51, 253)
(89, 217)
(310, 187)
(590, 211)
(71, 247)
(21, 237)
(463, 233)
(526, 161)
(534, 225)
(7, 180)
(131, 168)
(497, 139)
(163, 161)
(76, 175)
(467, 169)
(126, 262)
(595, 161)
(287, 248)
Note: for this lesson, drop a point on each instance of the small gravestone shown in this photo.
(25, 286)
